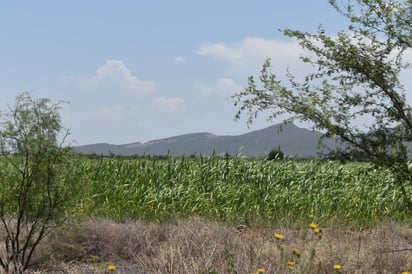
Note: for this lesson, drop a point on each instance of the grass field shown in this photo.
(219, 215)
(241, 191)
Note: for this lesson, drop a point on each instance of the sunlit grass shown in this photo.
(238, 190)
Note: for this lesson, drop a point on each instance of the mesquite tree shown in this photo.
(355, 78)
(36, 184)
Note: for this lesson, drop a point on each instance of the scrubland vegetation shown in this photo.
(219, 215)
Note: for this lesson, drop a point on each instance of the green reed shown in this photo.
(240, 190)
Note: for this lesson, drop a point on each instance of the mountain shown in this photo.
(292, 141)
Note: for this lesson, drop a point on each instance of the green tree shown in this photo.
(355, 76)
(275, 154)
(37, 187)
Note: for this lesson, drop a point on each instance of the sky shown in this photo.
(135, 70)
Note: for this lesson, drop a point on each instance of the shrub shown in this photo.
(36, 184)
(275, 154)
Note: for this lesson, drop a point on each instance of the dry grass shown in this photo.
(198, 246)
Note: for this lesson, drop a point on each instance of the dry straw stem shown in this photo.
(200, 246)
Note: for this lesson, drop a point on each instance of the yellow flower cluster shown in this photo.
(315, 229)
(295, 256)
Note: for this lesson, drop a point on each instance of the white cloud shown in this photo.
(225, 86)
(228, 85)
(173, 104)
(221, 51)
(115, 75)
(180, 59)
(105, 112)
(252, 51)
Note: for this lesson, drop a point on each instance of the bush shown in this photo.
(275, 154)
(37, 187)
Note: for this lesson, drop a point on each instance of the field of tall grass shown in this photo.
(240, 191)
(219, 215)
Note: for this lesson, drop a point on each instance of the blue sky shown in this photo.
(141, 70)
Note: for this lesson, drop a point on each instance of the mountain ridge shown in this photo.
(292, 140)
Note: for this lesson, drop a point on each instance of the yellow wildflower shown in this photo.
(406, 272)
(337, 267)
(317, 231)
(313, 226)
(111, 267)
(260, 270)
(279, 236)
(291, 264)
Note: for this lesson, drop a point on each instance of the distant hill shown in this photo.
(292, 140)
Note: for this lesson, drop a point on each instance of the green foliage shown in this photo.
(275, 154)
(355, 76)
(237, 190)
(37, 186)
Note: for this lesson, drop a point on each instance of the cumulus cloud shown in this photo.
(173, 104)
(222, 52)
(180, 59)
(114, 74)
(253, 51)
(226, 86)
